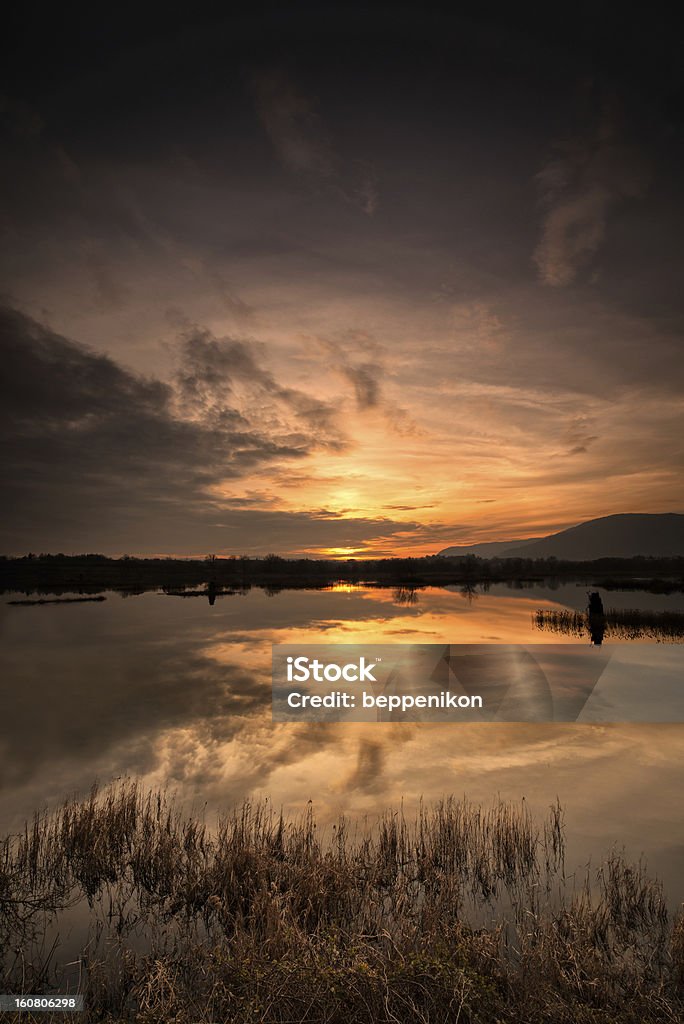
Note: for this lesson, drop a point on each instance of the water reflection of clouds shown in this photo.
(176, 691)
(617, 783)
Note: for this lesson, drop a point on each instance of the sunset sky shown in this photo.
(318, 281)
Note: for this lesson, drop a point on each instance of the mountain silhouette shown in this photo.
(618, 536)
(489, 549)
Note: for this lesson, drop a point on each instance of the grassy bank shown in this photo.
(460, 914)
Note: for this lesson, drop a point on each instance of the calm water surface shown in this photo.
(178, 692)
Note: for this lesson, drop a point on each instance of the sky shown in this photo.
(333, 281)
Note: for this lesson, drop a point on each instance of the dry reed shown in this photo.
(460, 914)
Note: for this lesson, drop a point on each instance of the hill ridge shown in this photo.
(619, 535)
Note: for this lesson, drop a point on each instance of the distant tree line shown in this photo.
(91, 572)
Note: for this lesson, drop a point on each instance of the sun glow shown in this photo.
(344, 553)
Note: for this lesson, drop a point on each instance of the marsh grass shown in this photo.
(619, 624)
(462, 913)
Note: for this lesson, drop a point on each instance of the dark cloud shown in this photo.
(88, 420)
(209, 368)
(366, 381)
(85, 437)
(362, 361)
(98, 457)
(212, 369)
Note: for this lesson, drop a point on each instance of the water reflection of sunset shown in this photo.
(199, 678)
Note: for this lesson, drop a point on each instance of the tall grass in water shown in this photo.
(460, 914)
(619, 623)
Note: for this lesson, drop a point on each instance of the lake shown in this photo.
(177, 691)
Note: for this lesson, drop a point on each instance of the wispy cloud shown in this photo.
(362, 361)
(579, 187)
(579, 436)
(303, 144)
(293, 125)
(366, 380)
